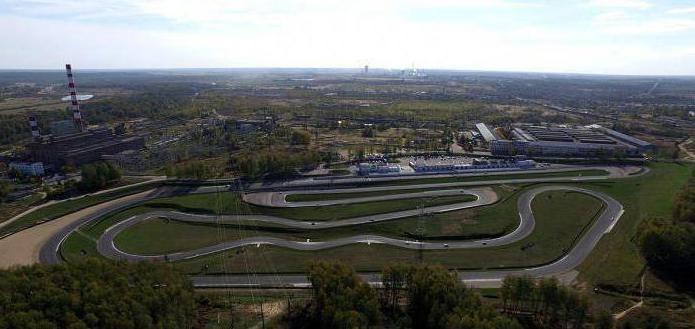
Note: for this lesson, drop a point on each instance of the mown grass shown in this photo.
(352, 195)
(561, 217)
(159, 236)
(82, 243)
(231, 203)
(616, 259)
(11, 209)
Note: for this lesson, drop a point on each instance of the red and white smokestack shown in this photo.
(34, 127)
(75, 105)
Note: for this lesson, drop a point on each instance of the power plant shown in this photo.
(82, 144)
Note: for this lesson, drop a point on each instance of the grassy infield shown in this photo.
(615, 260)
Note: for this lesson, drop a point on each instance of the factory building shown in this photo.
(562, 141)
(63, 127)
(72, 143)
(28, 168)
(83, 147)
(487, 134)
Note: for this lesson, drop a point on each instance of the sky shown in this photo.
(571, 36)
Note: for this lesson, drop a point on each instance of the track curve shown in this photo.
(606, 220)
(49, 252)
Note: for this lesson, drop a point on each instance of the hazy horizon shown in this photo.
(374, 71)
(606, 37)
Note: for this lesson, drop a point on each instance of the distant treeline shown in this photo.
(274, 162)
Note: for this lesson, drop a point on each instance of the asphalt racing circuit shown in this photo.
(606, 220)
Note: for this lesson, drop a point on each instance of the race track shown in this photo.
(609, 216)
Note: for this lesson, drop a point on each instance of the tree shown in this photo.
(96, 294)
(684, 205)
(98, 175)
(274, 163)
(550, 304)
(603, 320)
(369, 132)
(669, 249)
(437, 299)
(394, 278)
(299, 137)
(5, 189)
(340, 299)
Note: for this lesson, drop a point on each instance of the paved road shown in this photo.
(613, 172)
(607, 219)
(278, 199)
(581, 250)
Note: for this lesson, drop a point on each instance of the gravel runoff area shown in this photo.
(23, 247)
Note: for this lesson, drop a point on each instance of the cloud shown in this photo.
(476, 34)
(622, 23)
(211, 11)
(630, 4)
(679, 11)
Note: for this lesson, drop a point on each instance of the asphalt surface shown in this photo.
(613, 172)
(278, 199)
(574, 257)
(582, 248)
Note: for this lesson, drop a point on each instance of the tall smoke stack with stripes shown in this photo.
(76, 114)
(34, 127)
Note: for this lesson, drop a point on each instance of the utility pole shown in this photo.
(420, 230)
(262, 316)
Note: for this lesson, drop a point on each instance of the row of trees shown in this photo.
(198, 169)
(95, 294)
(431, 297)
(668, 245)
(412, 297)
(98, 175)
(274, 162)
(545, 301)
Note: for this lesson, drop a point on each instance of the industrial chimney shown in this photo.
(76, 114)
(34, 127)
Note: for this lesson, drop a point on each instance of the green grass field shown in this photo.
(553, 235)
(11, 209)
(231, 203)
(351, 195)
(615, 260)
(82, 243)
(157, 236)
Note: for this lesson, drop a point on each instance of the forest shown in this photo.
(95, 294)
(432, 297)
